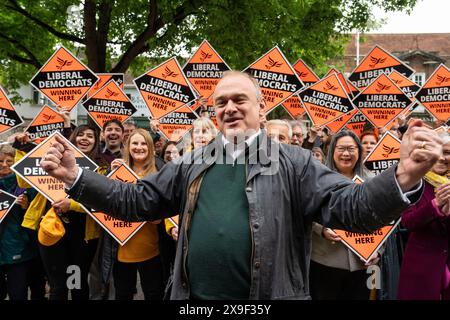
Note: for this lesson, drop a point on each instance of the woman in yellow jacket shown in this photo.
(72, 254)
(143, 252)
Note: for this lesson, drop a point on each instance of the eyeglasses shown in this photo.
(350, 149)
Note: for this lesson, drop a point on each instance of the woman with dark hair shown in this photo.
(77, 246)
(336, 272)
(170, 151)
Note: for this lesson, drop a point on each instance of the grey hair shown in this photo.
(296, 123)
(248, 76)
(280, 123)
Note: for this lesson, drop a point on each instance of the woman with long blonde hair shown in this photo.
(142, 252)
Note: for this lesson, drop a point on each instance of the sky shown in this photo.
(428, 16)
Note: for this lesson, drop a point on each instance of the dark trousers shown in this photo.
(37, 279)
(151, 275)
(328, 283)
(70, 250)
(14, 279)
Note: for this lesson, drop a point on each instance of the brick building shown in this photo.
(421, 51)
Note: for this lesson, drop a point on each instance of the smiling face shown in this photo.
(113, 136)
(237, 107)
(138, 148)
(85, 140)
(201, 135)
(6, 161)
(346, 155)
(443, 164)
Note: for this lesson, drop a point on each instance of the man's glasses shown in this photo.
(350, 149)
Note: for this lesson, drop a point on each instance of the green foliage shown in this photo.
(241, 31)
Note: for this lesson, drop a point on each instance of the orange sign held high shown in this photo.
(326, 100)
(435, 94)
(305, 73)
(178, 123)
(277, 79)
(341, 122)
(29, 169)
(121, 231)
(382, 101)
(294, 107)
(208, 107)
(7, 201)
(409, 87)
(164, 89)
(385, 154)
(103, 78)
(362, 244)
(378, 61)
(204, 69)
(348, 86)
(357, 123)
(45, 124)
(108, 103)
(64, 79)
(9, 118)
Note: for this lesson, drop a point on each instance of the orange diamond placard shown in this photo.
(337, 125)
(108, 103)
(46, 122)
(382, 101)
(385, 154)
(9, 118)
(377, 61)
(7, 201)
(348, 86)
(29, 169)
(326, 100)
(204, 69)
(362, 244)
(357, 123)
(165, 88)
(435, 93)
(103, 78)
(305, 73)
(121, 231)
(277, 79)
(409, 87)
(177, 123)
(64, 79)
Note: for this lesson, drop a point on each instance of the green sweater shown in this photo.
(220, 245)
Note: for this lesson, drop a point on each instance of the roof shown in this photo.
(437, 44)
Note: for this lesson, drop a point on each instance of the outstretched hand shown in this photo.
(421, 147)
(59, 161)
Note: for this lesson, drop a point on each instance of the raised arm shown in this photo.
(152, 198)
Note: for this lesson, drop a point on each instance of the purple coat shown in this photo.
(426, 255)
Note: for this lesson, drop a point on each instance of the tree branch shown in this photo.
(16, 7)
(104, 22)
(32, 58)
(154, 23)
(24, 60)
(90, 32)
